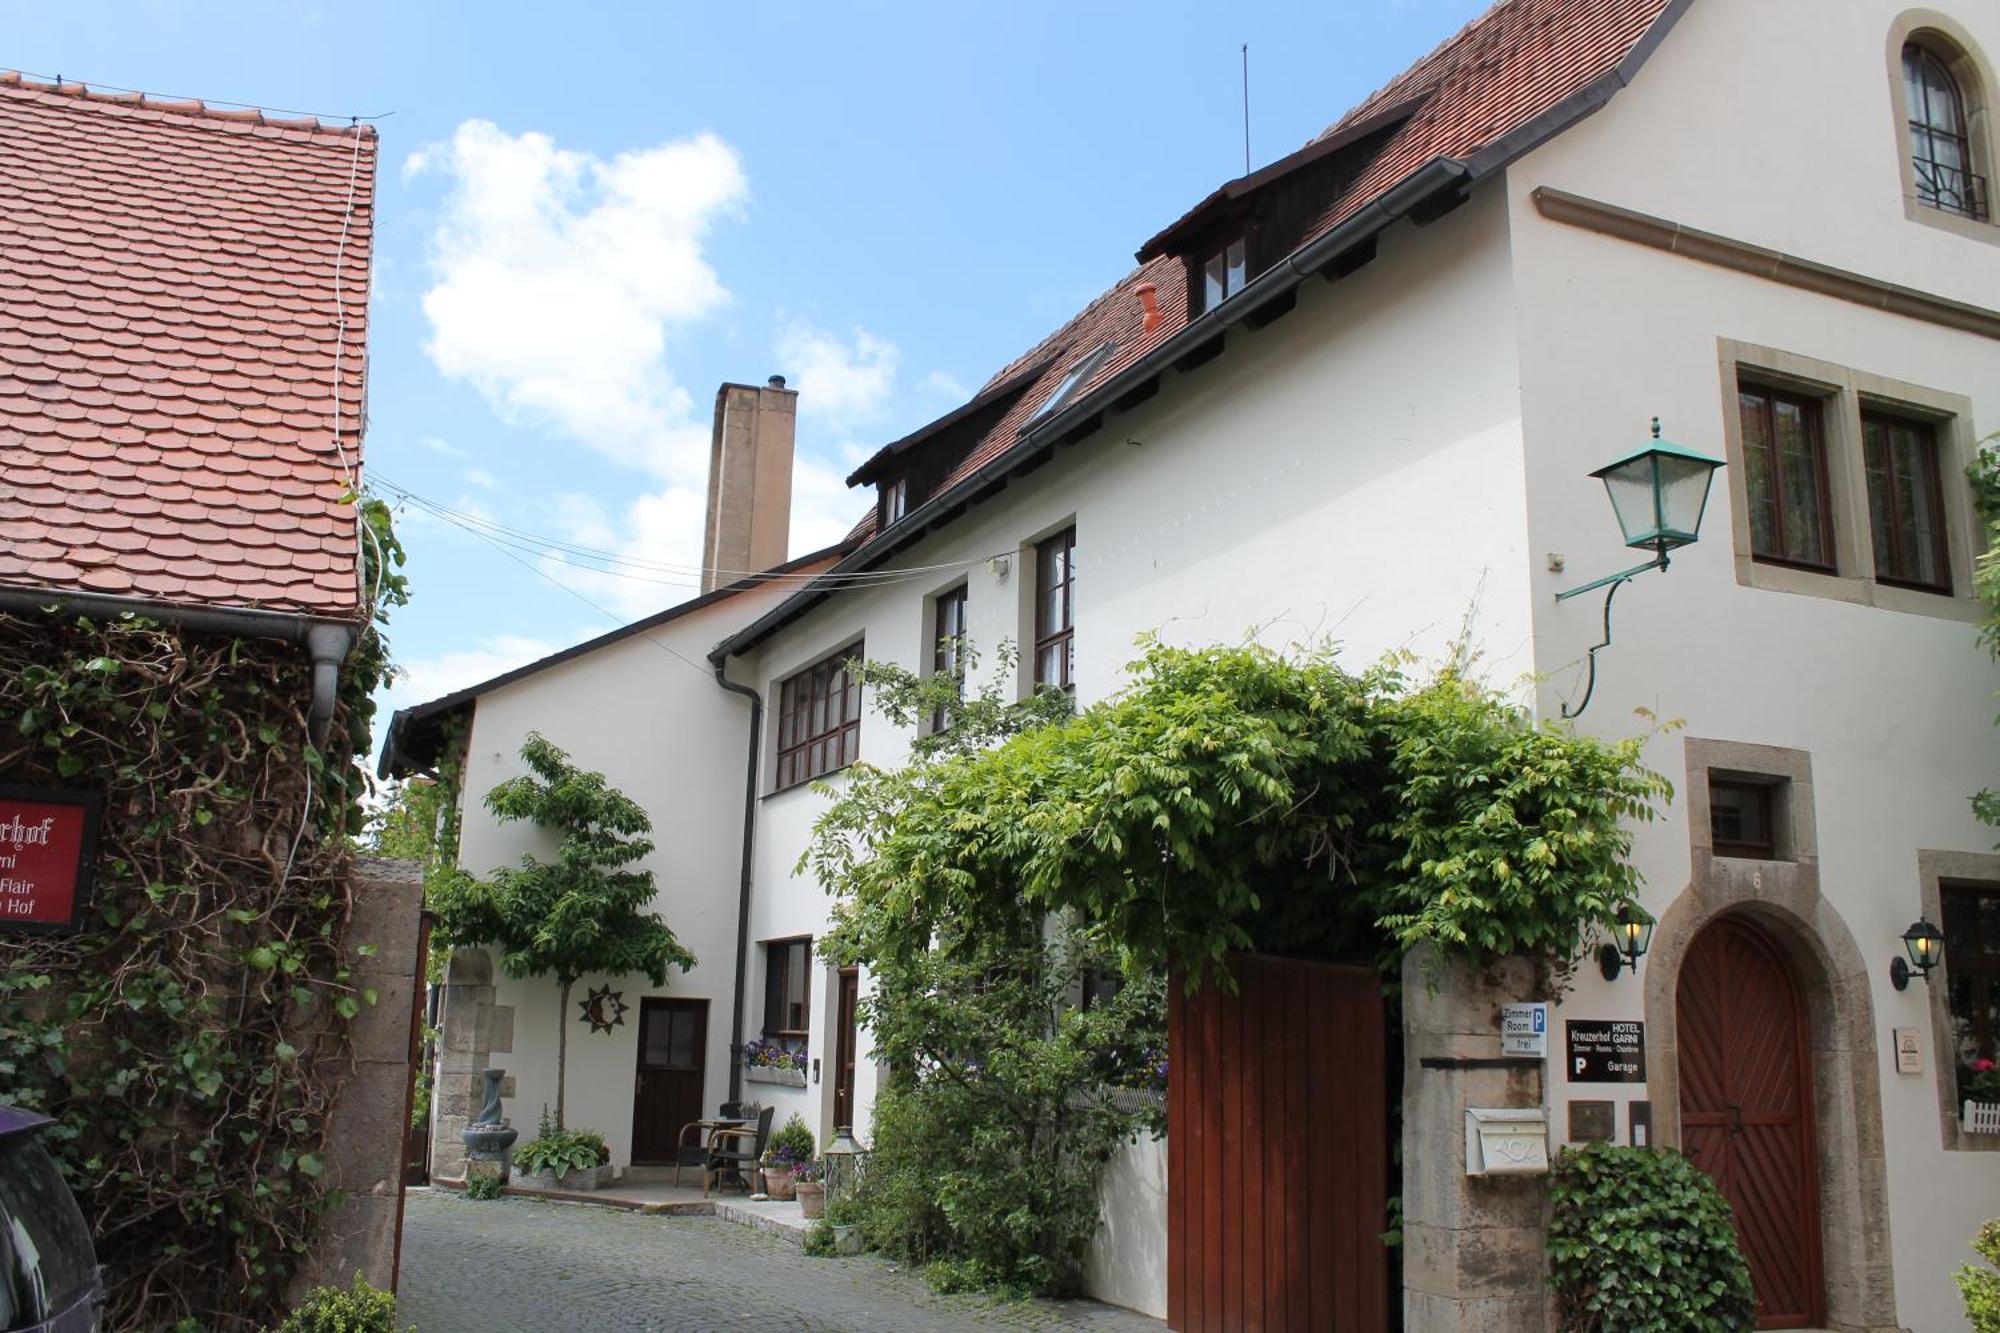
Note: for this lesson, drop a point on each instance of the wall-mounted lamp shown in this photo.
(1659, 492)
(1633, 935)
(1924, 943)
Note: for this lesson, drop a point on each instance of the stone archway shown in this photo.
(1783, 897)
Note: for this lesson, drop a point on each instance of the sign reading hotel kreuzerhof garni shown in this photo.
(48, 844)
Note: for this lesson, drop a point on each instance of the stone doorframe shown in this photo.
(1783, 896)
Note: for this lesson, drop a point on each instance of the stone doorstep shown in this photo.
(781, 1218)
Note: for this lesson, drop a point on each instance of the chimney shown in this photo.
(749, 482)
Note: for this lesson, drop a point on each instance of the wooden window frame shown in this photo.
(1813, 409)
(948, 646)
(895, 500)
(837, 731)
(1981, 972)
(777, 989)
(1933, 481)
(1059, 637)
(1766, 796)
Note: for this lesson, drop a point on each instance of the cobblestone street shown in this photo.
(521, 1264)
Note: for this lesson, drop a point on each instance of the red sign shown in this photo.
(48, 839)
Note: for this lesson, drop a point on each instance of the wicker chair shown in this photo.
(736, 1150)
(692, 1150)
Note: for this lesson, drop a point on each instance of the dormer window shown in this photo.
(895, 500)
(1224, 273)
(1941, 150)
(1074, 379)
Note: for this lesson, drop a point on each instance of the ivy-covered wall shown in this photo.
(191, 1040)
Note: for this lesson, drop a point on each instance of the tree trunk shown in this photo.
(562, 1045)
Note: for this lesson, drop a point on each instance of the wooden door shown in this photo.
(1277, 1151)
(845, 1043)
(1746, 1110)
(673, 1040)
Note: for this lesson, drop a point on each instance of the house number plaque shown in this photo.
(48, 842)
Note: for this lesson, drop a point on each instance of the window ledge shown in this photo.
(1754, 573)
(1944, 219)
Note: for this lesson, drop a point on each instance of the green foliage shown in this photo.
(790, 1144)
(585, 910)
(358, 1309)
(1226, 799)
(187, 1042)
(1980, 1284)
(484, 1188)
(560, 1150)
(1984, 475)
(1641, 1242)
(818, 1241)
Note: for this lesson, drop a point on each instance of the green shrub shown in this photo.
(791, 1145)
(560, 1150)
(483, 1187)
(1642, 1242)
(1981, 1286)
(819, 1240)
(358, 1309)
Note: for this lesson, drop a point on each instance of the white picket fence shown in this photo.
(1981, 1118)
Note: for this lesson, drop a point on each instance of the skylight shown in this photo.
(1078, 374)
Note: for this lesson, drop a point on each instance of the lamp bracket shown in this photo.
(1899, 974)
(1610, 962)
(1614, 582)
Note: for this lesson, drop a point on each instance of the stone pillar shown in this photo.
(1474, 1255)
(369, 1125)
(474, 1028)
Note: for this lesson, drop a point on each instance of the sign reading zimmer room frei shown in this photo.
(1605, 1052)
(48, 839)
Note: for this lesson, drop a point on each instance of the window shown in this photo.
(1224, 274)
(1784, 455)
(948, 647)
(1072, 381)
(1940, 142)
(1905, 501)
(1099, 987)
(1055, 611)
(895, 500)
(819, 720)
(1742, 817)
(1972, 966)
(787, 989)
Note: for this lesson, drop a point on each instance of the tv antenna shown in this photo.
(1246, 108)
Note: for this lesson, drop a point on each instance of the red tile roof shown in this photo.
(173, 279)
(1512, 64)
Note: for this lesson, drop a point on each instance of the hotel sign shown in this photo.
(48, 845)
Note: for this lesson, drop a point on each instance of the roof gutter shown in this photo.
(1436, 177)
(327, 642)
(743, 884)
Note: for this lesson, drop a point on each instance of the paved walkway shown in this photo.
(528, 1264)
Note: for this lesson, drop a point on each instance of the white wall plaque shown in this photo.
(1524, 1029)
(1909, 1053)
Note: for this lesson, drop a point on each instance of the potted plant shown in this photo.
(566, 1159)
(771, 1062)
(1981, 1086)
(789, 1148)
(809, 1180)
(843, 1218)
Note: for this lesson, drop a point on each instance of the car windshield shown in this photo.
(47, 1263)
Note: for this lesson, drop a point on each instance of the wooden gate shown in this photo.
(1746, 1110)
(1277, 1151)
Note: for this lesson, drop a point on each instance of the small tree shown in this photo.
(583, 912)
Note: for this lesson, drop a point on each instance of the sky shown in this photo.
(589, 215)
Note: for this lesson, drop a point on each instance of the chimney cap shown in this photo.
(777, 381)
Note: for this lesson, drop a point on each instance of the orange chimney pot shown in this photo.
(1149, 301)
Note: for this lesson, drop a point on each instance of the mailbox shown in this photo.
(1506, 1142)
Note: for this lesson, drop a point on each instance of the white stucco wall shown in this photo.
(647, 713)
(1796, 154)
(1352, 472)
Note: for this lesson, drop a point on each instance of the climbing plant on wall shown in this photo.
(190, 1041)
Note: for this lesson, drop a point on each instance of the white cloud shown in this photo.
(945, 386)
(438, 446)
(480, 477)
(425, 678)
(559, 276)
(844, 382)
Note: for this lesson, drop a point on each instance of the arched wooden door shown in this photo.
(1746, 1110)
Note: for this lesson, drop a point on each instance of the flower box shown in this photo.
(1981, 1118)
(591, 1178)
(791, 1078)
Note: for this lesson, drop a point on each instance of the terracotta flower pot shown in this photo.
(812, 1197)
(778, 1182)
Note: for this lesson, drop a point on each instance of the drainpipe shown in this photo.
(327, 642)
(743, 887)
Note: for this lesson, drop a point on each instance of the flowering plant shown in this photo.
(1984, 1085)
(807, 1172)
(772, 1055)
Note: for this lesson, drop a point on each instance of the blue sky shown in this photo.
(590, 214)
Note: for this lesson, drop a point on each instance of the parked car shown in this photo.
(49, 1281)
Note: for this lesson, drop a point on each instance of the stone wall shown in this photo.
(475, 1029)
(369, 1125)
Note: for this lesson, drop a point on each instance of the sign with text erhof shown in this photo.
(48, 844)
